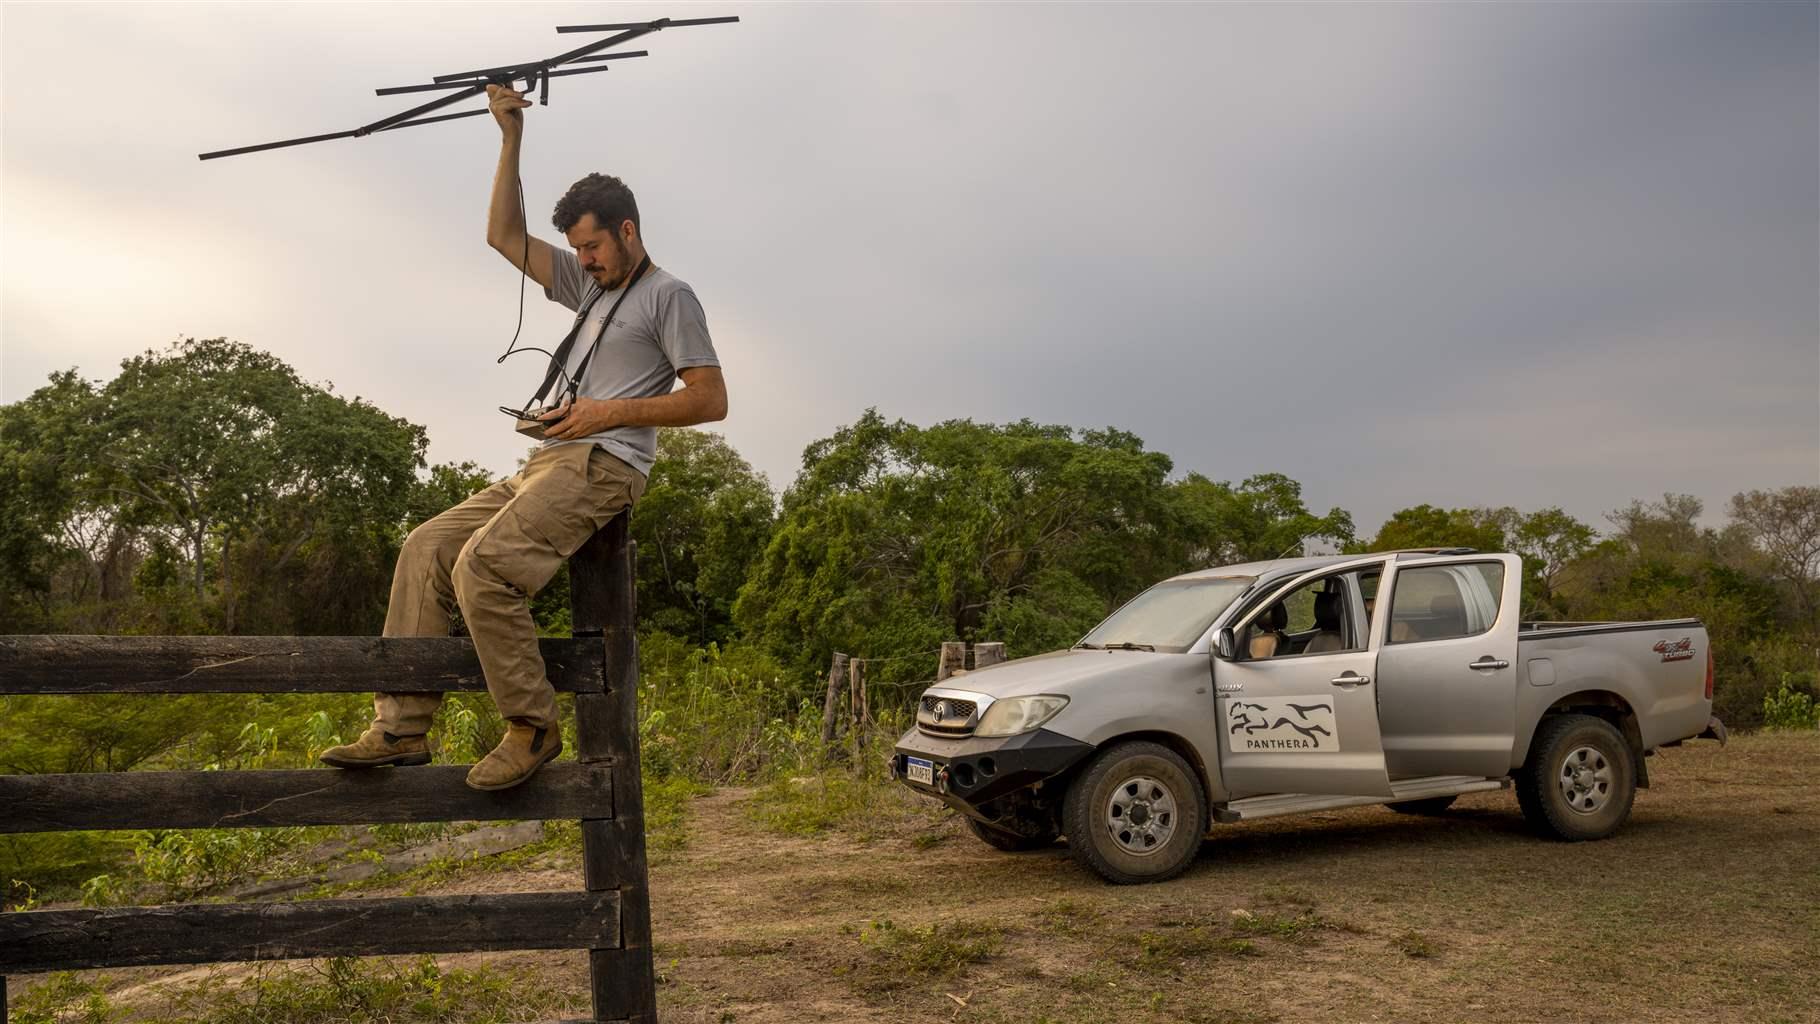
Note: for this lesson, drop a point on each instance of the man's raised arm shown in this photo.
(506, 230)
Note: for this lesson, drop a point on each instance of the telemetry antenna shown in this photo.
(534, 74)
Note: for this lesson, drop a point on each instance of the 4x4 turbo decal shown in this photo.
(1675, 650)
(1287, 723)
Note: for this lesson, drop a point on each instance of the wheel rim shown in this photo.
(1586, 780)
(1140, 815)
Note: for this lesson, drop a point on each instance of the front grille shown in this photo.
(957, 716)
(961, 709)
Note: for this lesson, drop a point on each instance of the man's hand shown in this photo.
(506, 102)
(582, 417)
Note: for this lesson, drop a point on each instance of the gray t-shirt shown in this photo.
(660, 330)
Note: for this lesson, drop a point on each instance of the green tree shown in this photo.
(41, 507)
(1425, 526)
(1262, 518)
(1785, 525)
(705, 517)
(1549, 541)
(896, 537)
(205, 487)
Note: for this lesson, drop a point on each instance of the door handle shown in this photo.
(1350, 679)
(1489, 662)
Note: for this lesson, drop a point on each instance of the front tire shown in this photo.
(1579, 780)
(1136, 814)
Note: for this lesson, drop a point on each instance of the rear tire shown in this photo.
(1011, 842)
(1579, 780)
(1136, 814)
(1430, 805)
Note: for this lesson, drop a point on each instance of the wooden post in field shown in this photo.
(988, 654)
(856, 707)
(856, 690)
(954, 658)
(837, 671)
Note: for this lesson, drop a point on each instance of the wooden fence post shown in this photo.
(603, 600)
(954, 658)
(986, 655)
(837, 671)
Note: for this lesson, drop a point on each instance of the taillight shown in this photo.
(1709, 673)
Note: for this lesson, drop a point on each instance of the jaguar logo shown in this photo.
(1282, 725)
(1675, 650)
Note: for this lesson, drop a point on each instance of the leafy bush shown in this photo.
(188, 861)
(1790, 708)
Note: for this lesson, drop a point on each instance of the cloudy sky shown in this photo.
(1526, 254)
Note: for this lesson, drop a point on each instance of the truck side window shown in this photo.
(1314, 622)
(1445, 601)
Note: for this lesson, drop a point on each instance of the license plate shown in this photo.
(918, 770)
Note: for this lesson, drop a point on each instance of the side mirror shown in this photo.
(1226, 644)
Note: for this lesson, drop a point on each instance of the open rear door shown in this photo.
(1447, 673)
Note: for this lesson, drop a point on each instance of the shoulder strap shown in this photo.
(607, 325)
(561, 356)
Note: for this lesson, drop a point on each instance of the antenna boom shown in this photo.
(473, 83)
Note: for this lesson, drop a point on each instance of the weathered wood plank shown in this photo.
(60, 940)
(325, 796)
(270, 664)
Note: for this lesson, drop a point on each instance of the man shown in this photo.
(490, 553)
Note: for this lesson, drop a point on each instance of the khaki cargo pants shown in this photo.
(487, 556)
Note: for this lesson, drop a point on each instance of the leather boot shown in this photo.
(376, 747)
(522, 752)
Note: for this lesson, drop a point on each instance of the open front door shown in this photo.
(1298, 705)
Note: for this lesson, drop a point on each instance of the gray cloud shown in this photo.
(1517, 254)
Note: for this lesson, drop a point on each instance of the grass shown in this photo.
(1067, 916)
(1166, 951)
(342, 990)
(932, 950)
(1414, 944)
(1303, 928)
(863, 807)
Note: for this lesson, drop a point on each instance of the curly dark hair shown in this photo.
(602, 195)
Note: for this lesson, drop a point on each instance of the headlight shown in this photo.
(1014, 715)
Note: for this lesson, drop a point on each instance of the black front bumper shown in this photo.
(974, 770)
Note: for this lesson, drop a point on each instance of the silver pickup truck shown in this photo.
(1270, 688)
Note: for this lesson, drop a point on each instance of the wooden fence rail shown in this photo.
(611, 918)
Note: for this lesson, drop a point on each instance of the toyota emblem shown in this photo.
(941, 710)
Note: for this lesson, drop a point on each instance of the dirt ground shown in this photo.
(1705, 907)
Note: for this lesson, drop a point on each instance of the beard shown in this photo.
(621, 272)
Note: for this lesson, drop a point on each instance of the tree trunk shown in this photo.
(227, 584)
(196, 539)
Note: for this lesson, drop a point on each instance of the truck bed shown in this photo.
(1658, 670)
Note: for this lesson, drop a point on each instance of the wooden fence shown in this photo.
(611, 918)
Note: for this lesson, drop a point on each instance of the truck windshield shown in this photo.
(1169, 616)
